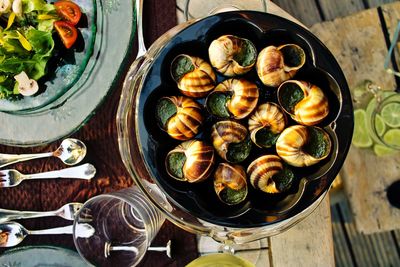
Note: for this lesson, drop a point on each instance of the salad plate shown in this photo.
(77, 87)
(41, 256)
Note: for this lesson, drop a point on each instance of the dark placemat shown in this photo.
(100, 136)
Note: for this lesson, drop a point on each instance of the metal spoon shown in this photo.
(71, 151)
(12, 233)
(108, 248)
(67, 212)
(10, 178)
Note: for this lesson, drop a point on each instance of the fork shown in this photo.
(67, 212)
(10, 178)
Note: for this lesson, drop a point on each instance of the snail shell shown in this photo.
(194, 76)
(191, 161)
(278, 64)
(306, 103)
(231, 141)
(265, 125)
(231, 55)
(181, 117)
(268, 174)
(233, 98)
(230, 183)
(302, 146)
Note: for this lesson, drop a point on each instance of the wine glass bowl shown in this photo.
(195, 207)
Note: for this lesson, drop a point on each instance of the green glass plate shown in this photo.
(112, 44)
(64, 69)
(41, 256)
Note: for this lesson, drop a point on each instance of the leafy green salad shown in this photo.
(26, 45)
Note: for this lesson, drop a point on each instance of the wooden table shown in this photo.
(309, 243)
(360, 44)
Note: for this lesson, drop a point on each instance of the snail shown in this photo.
(304, 102)
(278, 64)
(230, 183)
(231, 141)
(231, 55)
(191, 161)
(181, 117)
(266, 123)
(233, 98)
(194, 76)
(302, 146)
(269, 174)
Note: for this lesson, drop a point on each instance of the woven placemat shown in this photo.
(100, 136)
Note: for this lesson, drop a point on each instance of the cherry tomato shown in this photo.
(69, 11)
(67, 32)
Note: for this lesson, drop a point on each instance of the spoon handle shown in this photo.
(84, 171)
(9, 215)
(53, 231)
(139, 16)
(7, 159)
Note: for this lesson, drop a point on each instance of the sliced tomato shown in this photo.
(69, 11)
(67, 32)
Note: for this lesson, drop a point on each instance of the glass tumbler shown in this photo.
(122, 223)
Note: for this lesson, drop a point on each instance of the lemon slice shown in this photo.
(361, 137)
(383, 150)
(392, 137)
(391, 114)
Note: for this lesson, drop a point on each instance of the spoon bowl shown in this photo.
(71, 151)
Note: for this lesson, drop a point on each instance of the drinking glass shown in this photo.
(123, 225)
(199, 8)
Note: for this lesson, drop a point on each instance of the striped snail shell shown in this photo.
(302, 146)
(268, 174)
(230, 183)
(194, 76)
(233, 98)
(231, 141)
(181, 117)
(306, 103)
(278, 64)
(266, 123)
(231, 55)
(191, 161)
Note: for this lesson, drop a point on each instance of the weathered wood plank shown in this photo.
(341, 247)
(309, 243)
(359, 46)
(304, 10)
(375, 3)
(334, 9)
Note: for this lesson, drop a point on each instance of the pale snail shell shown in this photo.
(193, 75)
(191, 161)
(311, 109)
(278, 64)
(230, 183)
(231, 55)
(302, 146)
(231, 141)
(181, 117)
(266, 123)
(233, 98)
(268, 174)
